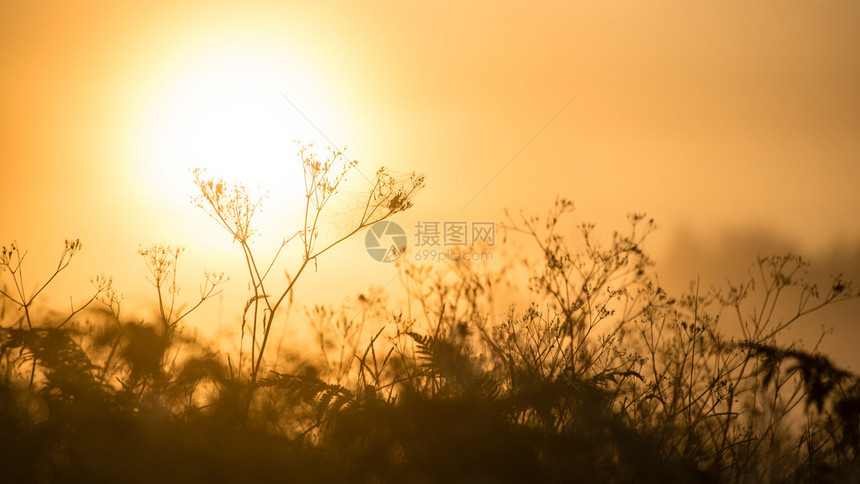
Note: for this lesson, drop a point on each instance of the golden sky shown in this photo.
(716, 118)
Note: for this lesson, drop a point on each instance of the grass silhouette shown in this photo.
(603, 377)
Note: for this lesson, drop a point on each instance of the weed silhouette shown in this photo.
(602, 377)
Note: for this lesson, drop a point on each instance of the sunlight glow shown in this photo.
(227, 109)
(228, 112)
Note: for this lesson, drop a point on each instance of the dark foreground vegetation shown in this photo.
(604, 377)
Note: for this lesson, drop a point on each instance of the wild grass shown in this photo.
(602, 377)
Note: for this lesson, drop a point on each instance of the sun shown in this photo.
(236, 111)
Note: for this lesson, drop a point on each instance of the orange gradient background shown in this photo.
(735, 124)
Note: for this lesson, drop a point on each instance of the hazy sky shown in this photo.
(716, 118)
